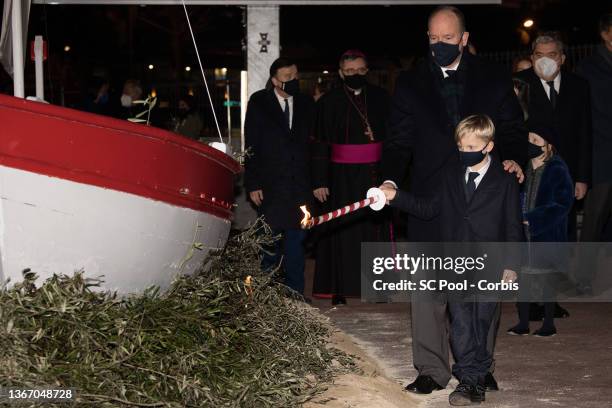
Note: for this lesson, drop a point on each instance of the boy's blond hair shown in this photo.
(479, 125)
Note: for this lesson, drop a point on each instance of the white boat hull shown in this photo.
(51, 225)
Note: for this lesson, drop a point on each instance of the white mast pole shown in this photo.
(18, 49)
(38, 61)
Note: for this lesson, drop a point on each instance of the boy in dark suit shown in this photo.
(477, 202)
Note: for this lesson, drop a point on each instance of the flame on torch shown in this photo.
(306, 221)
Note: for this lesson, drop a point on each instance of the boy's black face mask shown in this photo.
(469, 159)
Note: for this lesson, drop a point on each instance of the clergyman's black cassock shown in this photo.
(339, 245)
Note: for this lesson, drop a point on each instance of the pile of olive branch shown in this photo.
(228, 336)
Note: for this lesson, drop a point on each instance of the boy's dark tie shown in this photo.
(553, 93)
(471, 185)
(287, 113)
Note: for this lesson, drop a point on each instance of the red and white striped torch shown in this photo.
(375, 199)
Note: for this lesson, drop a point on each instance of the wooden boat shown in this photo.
(80, 191)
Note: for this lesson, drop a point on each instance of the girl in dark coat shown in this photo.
(547, 199)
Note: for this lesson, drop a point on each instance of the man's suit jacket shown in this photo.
(279, 161)
(421, 131)
(597, 70)
(492, 215)
(571, 119)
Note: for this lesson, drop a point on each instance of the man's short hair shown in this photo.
(480, 126)
(458, 13)
(605, 22)
(280, 63)
(548, 37)
(352, 55)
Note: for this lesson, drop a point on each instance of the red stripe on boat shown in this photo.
(116, 154)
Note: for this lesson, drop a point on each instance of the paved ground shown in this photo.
(572, 369)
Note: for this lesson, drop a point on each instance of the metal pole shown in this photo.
(38, 62)
(18, 53)
(229, 113)
(244, 100)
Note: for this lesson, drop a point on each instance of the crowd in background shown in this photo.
(469, 152)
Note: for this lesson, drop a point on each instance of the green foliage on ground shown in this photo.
(215, 339)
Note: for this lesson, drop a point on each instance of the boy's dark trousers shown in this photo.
(470, 323)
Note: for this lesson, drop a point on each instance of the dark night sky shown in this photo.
(99, 36)
(321, 33)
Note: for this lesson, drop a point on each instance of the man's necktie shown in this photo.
(553, 93)
(287, 114)
(450, 73)
(471, 185)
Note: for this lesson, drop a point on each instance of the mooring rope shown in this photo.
(202, 70)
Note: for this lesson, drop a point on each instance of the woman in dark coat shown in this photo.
(547, 199)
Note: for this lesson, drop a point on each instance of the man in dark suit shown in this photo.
(477, 201)
(277, 175)
(560, 100)
(597, 70)
(428, 104)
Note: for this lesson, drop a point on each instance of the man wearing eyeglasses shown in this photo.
(349, 130)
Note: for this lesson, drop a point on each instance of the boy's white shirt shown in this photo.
(482, 172)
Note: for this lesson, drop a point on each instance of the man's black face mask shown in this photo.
(291, 87)
(444, 53)
(356, 81)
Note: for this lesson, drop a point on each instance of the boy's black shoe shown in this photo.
(518, 331)
(478, 394)
(338, 300)
(489, 383)
(423, 384)
(545, 332)
(462, 395)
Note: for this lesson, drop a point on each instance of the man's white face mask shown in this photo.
(126, 101)
(546, 66)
